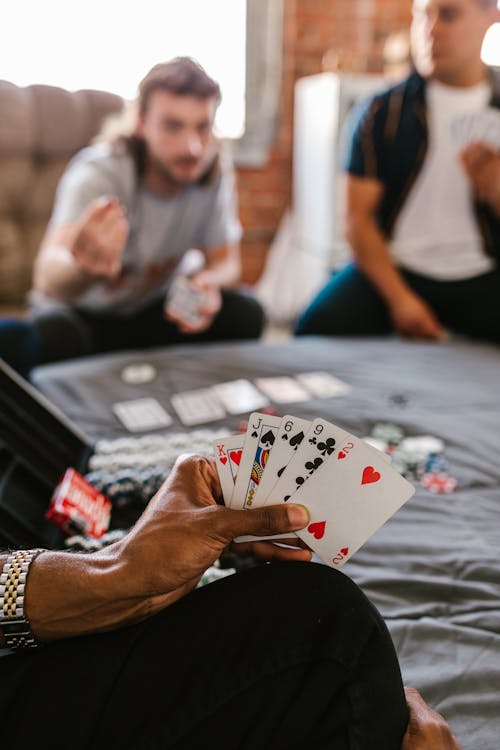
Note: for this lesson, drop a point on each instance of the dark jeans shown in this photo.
(348, 305)
(66, 332)
(19, 345)
(279, 656)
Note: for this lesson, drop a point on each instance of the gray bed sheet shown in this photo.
(433, 569)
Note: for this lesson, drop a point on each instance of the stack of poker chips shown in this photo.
(418, 457)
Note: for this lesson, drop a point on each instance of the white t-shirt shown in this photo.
(436, 233)
(162, 228)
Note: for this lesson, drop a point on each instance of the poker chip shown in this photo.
(438, 483)
(390, 433)
(400, 467)
(435, 464)
(409, 459)
(138, 374)
(422, 445)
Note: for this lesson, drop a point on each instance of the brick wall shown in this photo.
(317, 33)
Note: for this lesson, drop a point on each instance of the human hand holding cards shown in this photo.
(349, 487)
(482, 165)
(477, 127)
(192, 303)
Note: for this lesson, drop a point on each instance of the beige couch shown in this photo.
(41, 127)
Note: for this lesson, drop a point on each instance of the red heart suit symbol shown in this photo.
(235, 456)
(342, 454)
(369, 475)
(223, 460)
(345, 551)
(317, 529)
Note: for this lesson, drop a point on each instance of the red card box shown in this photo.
(78, 508)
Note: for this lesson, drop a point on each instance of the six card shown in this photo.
(289, 438)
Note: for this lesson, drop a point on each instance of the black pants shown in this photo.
(349, 305)
(279, 656)
(66, 332)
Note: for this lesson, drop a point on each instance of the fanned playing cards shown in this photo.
(349, 487)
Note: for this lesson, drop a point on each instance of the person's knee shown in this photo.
(243, 315)
(19, 345)
(331, 602)
(63, 335)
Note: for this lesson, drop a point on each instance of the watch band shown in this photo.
(14, 624)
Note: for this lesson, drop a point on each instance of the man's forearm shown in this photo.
(373, 258)
(223, 267)
(56, 275)
(68, 595)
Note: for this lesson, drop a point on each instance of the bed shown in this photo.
(433, 570)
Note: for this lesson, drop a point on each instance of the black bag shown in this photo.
(37, 444)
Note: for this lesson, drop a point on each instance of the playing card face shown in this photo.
(259, 440)
(197, 406)
(282, 390)
(240, 396)
(228, 452)
(322, 384)
(319, 445)
(142, 414)
(289, 438)
(349, 500)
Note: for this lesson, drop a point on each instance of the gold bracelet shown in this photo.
(13, 622)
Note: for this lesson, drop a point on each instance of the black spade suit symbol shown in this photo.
(280, 472)
(255, 434)
(296, 440)
(268, 438)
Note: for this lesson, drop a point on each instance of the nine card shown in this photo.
(317, 448)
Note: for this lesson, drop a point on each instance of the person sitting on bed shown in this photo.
(423, 193)
(125, 214)
(288, 654)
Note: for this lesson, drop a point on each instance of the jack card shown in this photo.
(259, 440)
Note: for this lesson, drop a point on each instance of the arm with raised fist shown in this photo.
(74, 255)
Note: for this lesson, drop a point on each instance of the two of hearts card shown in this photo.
(348, 486)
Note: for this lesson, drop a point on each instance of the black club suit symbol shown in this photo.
(327, 447)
